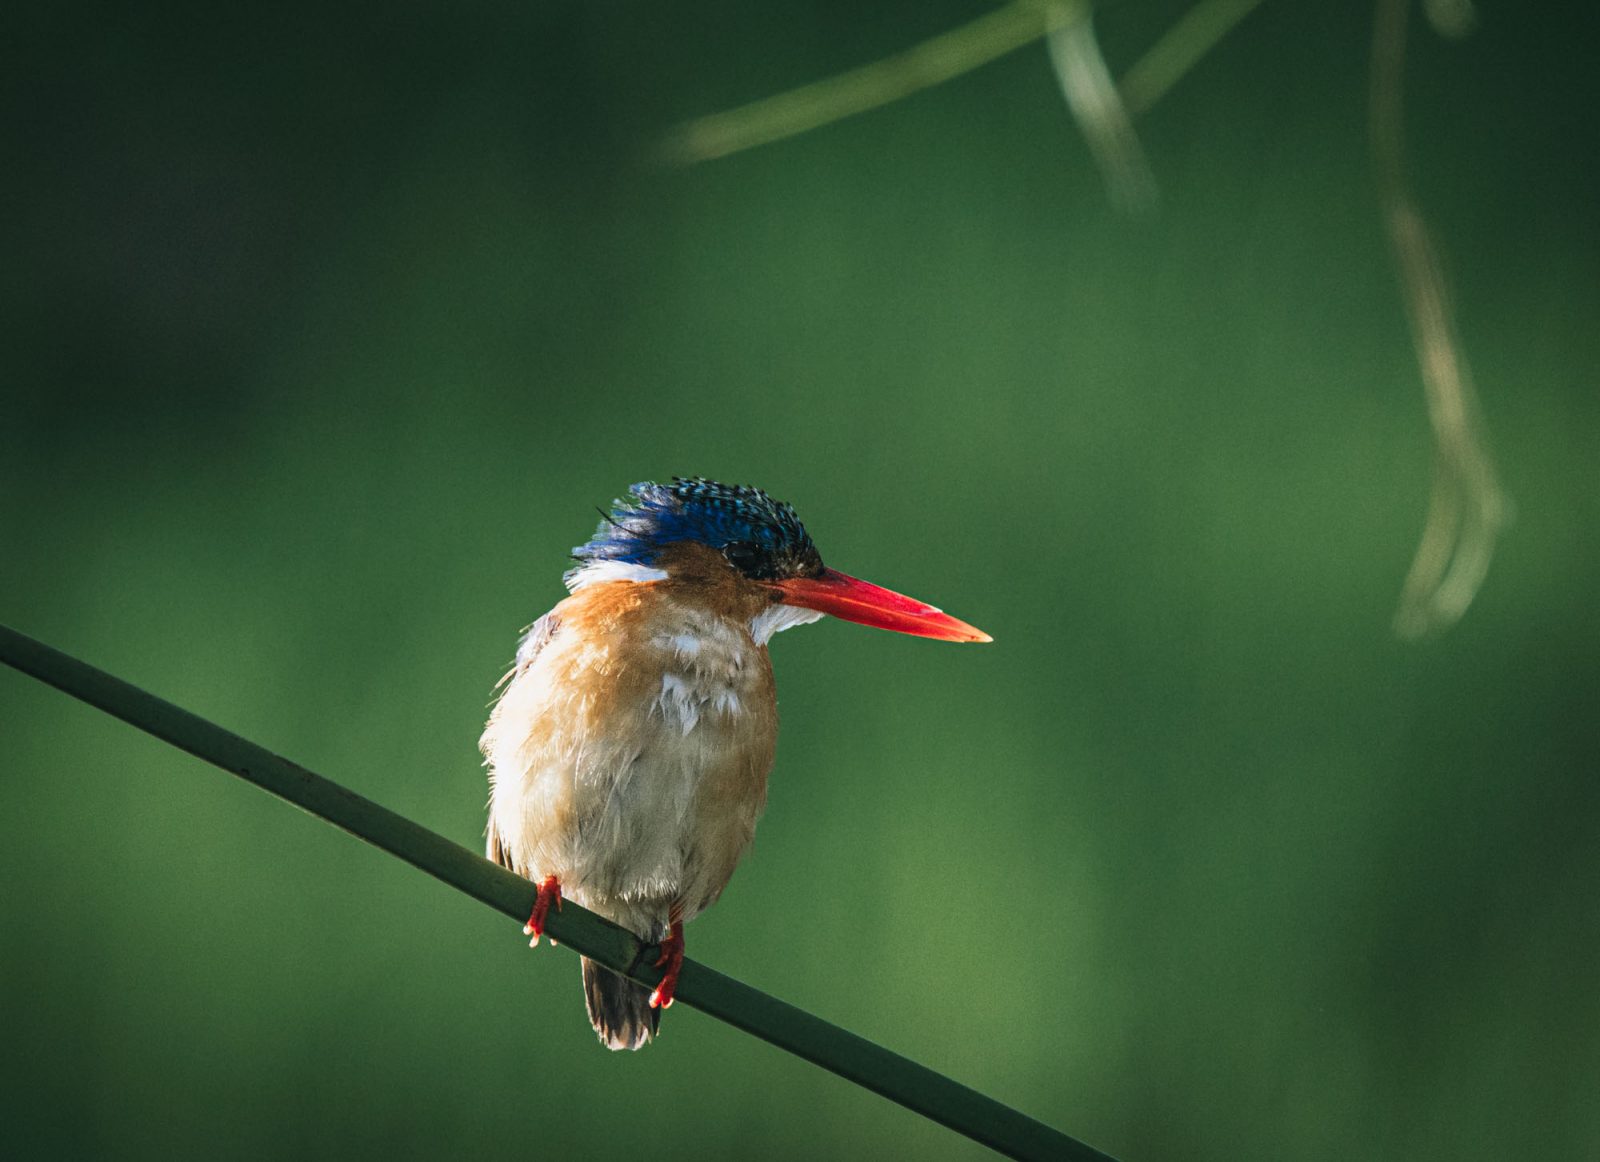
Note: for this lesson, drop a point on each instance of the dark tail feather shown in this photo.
(619, 1010)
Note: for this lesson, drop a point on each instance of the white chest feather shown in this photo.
(705, 676)
(635, 770)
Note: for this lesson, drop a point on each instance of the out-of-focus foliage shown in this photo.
(327, 327)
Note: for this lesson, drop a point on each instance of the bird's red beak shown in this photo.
(867, 604)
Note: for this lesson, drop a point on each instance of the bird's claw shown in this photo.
(549, 893)
(671, 959)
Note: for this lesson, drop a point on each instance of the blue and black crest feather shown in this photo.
(761, 537)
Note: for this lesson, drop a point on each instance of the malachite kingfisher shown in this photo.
(629, 751)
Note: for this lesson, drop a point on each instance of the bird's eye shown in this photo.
(744, 556)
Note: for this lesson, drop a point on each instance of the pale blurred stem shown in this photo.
(1466, 509)
(901, 1080)
(943, 58)
(1102, 115)
(822, 102)
(1180, 48)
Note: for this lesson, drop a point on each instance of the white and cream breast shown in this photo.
(629, 754)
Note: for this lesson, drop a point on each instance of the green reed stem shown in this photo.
(854, 1058)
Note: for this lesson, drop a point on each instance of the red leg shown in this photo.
(549, 892)
(671, 959)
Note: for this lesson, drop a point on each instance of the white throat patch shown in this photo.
(777, 618)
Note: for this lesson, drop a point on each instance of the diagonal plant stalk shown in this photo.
(943, 58)
(1102, 115)
(854, 1058)
(932, 62)
(1180, 48)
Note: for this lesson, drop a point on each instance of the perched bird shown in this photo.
(628, 754)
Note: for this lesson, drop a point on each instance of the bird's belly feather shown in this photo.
(635, 776)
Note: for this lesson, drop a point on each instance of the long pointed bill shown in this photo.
(867, 604)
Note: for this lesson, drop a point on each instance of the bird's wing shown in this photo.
(497, 848)
(537, 637)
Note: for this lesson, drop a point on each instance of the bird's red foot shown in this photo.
(671, 959)
(549, 893)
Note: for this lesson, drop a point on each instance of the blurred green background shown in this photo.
(328, 326)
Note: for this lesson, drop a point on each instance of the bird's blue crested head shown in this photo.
(761, 537)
